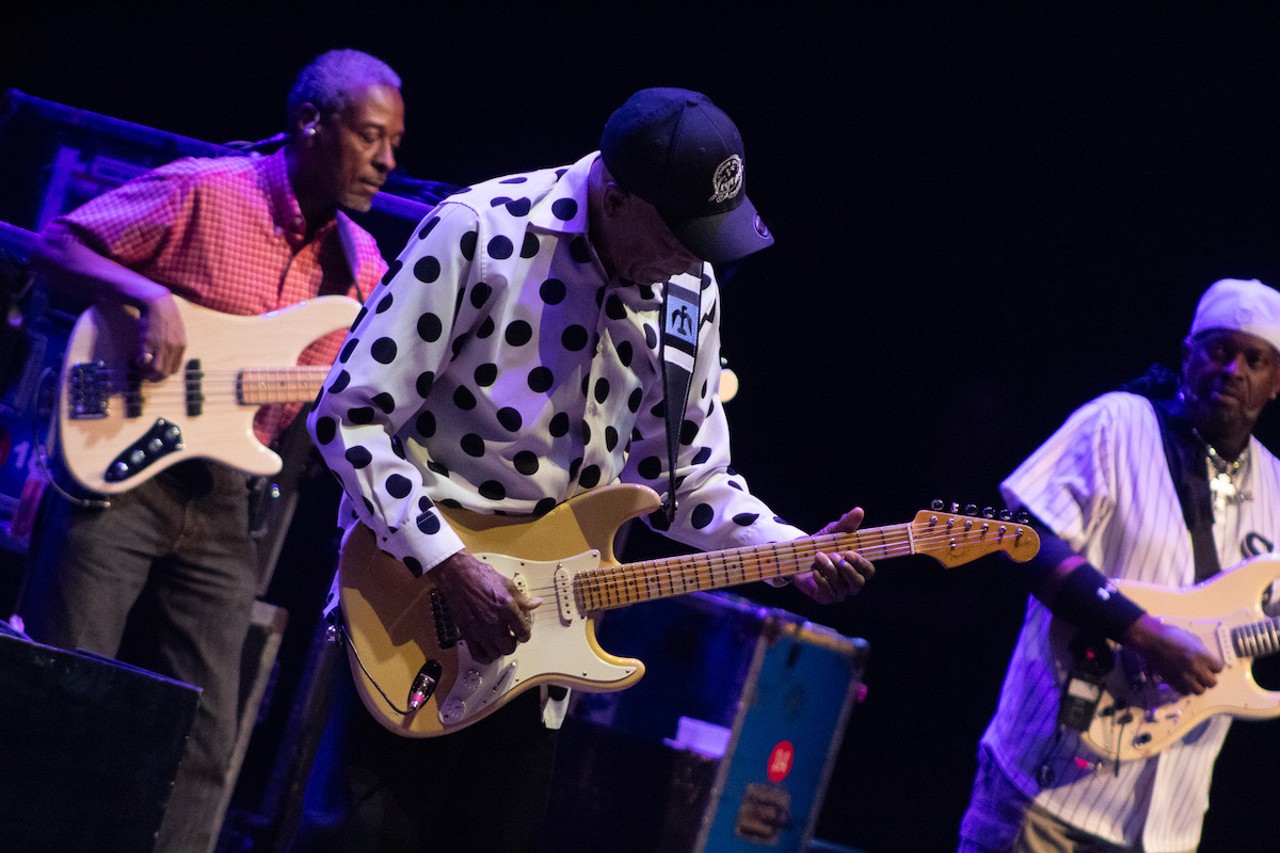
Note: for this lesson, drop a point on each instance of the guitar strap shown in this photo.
(681, 317)
(1185, 454)
(341, 284)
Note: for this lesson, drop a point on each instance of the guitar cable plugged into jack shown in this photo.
(424, 683)
(337, 635)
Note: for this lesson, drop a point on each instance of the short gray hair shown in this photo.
(330, 79)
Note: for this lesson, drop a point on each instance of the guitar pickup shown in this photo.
(447, 633)
(88, 390)
(193, 382)
(564, 595)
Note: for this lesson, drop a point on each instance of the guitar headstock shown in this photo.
(953, 538)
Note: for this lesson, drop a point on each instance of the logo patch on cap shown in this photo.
(727, 181)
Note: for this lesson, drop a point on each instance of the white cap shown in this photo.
(1241, 305)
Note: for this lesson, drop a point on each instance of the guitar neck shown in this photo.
(611, 587)
(259, 386)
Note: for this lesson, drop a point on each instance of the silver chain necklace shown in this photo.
(1222, 483)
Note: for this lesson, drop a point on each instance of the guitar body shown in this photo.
(394, 630)
(1137, 716)
(106, 416)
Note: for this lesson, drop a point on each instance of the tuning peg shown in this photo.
(971, 509)
(1006, 515)
(1023, 518)
(988, 512)
(937, 505)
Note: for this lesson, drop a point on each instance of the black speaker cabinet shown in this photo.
(89, 748)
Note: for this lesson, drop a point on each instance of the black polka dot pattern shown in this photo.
(702, 516)
(518, 333)
(496, 370)
(464, 399)
(541, 379)
(552, 291)
(430, 327)
(427, 270)
(399, 486)
(324, 430)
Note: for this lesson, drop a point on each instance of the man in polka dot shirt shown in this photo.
(510, 361)
(239, 235)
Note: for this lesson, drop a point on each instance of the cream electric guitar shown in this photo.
(417, 677)
(1137, 715)
(118, 429)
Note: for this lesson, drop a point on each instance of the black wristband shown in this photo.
(1053, 551)
(1089, 600)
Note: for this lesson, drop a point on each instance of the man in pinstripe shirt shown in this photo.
(1112, 504)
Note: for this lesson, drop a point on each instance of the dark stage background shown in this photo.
(984, 217)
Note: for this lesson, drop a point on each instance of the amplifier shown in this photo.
(89, 749)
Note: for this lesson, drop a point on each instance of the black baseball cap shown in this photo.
(681, 153)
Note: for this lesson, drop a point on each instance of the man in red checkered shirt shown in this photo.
(239, 235)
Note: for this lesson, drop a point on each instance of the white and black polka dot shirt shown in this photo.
(498, 368)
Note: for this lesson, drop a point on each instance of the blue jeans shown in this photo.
(175, 554)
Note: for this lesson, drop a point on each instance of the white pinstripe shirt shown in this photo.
(1102, 483)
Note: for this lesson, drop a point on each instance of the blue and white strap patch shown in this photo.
(680, 324)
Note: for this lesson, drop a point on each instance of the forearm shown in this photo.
(1078, 592)
(80, 274)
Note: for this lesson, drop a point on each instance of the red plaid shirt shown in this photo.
(227, 233)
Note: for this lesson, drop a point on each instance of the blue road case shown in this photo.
(771, 785)
(726, 744)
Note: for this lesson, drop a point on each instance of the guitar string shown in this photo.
(614, 585)
(118, 374)
(300, 379)
(751, 558)
(598, 578)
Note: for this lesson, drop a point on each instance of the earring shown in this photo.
(310, 131)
